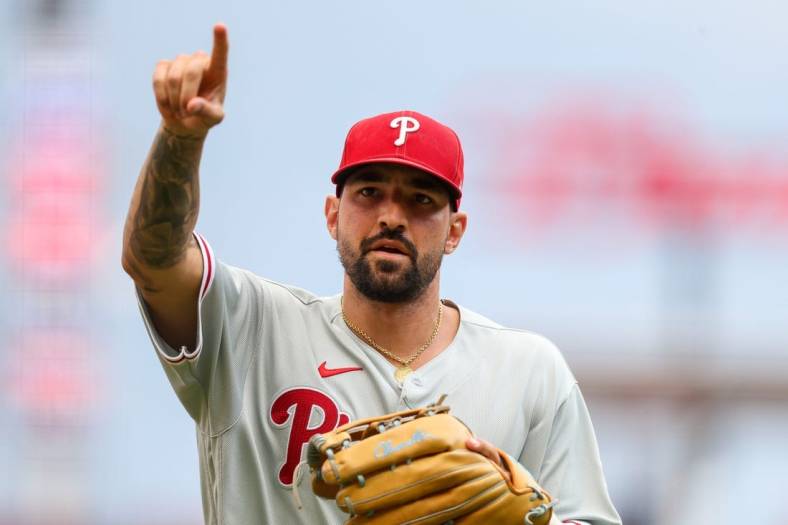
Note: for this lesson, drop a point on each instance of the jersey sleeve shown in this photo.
(572, 469)
(209, 378)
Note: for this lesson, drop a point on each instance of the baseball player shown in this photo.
(262, 367)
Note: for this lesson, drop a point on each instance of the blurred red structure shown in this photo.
(52, 230)
(585, 162)
(53, 185)
(51, 377)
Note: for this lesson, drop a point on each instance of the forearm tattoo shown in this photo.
(169, 201)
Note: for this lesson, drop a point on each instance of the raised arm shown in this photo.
(159, 251)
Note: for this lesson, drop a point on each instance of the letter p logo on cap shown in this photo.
(404, 128)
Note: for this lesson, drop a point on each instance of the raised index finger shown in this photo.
(221, 46)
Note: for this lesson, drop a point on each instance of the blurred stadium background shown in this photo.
(627, 183)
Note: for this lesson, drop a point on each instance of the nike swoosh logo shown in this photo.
(324, 371)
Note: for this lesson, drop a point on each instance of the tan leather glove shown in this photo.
(413, 467)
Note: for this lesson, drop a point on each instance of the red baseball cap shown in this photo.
(408, 138)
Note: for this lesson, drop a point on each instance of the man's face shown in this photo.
(392, 225)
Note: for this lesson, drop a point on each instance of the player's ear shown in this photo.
(331, 210)
(458, 222)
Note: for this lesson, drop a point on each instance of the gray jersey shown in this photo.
(275, 365)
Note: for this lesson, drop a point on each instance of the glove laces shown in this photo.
(538, 512)
(297, 483)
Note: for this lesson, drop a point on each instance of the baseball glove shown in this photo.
(413, 467)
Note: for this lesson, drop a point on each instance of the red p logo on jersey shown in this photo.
(297, 407)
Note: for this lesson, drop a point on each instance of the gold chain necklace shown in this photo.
(403, 371)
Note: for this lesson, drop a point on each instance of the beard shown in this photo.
(389, 281)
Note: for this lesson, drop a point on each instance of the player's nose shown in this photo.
(392, 214)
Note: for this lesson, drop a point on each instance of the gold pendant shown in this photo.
(401, 373)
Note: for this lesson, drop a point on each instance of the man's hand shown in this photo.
(488, 450)
(190, 89)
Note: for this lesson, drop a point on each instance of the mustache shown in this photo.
(391, 235)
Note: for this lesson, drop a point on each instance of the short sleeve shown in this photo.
(572, 469)
(209, 379)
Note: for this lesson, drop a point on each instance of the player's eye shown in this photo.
(423, 198)
(368, 191)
